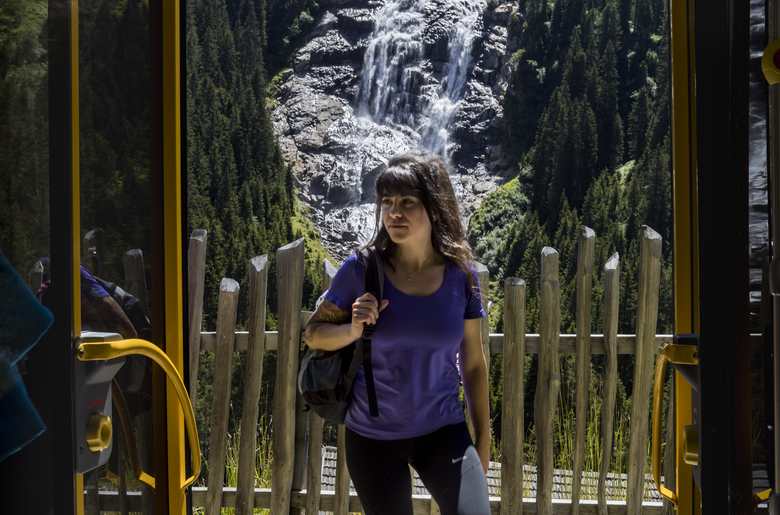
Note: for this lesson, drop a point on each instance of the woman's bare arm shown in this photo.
(326, 329)
(473, 372)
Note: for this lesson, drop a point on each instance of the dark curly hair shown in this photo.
(424, 176)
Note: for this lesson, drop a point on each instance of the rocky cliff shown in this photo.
(378, 78)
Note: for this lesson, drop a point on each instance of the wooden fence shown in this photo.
(297, 435)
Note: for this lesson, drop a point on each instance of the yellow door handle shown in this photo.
(682, 354)
(132, 450)
(116, 349)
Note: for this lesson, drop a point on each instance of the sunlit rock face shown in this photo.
(378, 79)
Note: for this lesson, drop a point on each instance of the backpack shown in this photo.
(325, 378)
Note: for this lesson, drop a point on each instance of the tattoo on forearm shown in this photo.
(327, 313)
(330, 313)
(310, 330)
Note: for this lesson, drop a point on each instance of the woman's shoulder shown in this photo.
(351, 267)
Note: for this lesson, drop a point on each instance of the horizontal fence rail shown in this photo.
(297, 435)
(567, 343)
(109, 501)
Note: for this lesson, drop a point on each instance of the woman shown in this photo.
(427, 328)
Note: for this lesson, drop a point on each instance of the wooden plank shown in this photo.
(196, 273)
(549, 377)
(209, 338)
(36, 277)
(96, 260)
(314, 474)
(484, 287)
(300, 466)
(513, 420)
(611, 304)
(314, 469)
(289, 277)
(247, 453)
(341, 500)
(646, 321)
(220, 404)
(143, 428)
(135, 285)
(568, 343)
(119, 449)
(420, 503)
(135, 278)
(585, 247)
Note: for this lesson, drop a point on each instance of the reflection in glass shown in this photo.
(24, 145)
(115, 213)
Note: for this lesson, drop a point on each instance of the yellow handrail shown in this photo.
(117, 349)
(684, 354)
(132, 450)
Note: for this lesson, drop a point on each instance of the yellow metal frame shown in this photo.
(172, 230)
(75, 201)
(177, 482)
(685, 213)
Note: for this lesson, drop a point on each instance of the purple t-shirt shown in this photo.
(413, 354)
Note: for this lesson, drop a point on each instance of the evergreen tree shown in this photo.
(638, 122)
(609, 125)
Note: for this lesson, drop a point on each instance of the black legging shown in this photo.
(446, 461)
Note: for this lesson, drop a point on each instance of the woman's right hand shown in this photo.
(365, 310)
(327, 329)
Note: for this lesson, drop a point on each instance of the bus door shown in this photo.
(90, 155)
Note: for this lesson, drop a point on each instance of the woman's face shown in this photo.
(406, 219)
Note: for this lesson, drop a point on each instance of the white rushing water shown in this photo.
(398, 89)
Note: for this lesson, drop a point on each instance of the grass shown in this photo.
(263, 463)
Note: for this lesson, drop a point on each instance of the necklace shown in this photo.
(409, 278)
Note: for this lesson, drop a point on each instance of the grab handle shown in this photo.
(116, 349)
(680, 354)
(132, 450)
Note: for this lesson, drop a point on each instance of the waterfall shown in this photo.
(400, 87)
(381, 78)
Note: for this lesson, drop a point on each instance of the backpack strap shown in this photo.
(374, 280)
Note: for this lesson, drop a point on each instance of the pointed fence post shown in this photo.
(314, 479)
(586, 245)
(289, 276)
(135, 278)
(484, 291)
(247, 454)
(300, 466)
(512, 421)
(36, 277)
(341, 500)
(220, 402)
(646, 321)
(196, 279)
(95, 238)
(548, 379)
(611, 304)
(484, 287)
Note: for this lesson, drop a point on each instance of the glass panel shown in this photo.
(115, 220)
(24, 143)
